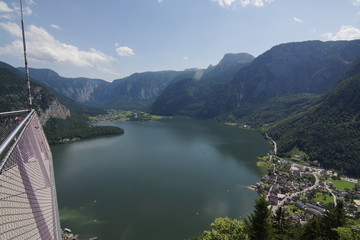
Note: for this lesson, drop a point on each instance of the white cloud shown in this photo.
(345, 33)
(298, 20)
(55, 26)
(355, 2)
(42, 46)
(255, 3)
(185, 58)
(11, 13)
(125, 51)
(26, 10)
(224, 3)
(31, 2)
(243, 3)
(160, 1)
(4, 7)
(7, 16)
(12, 28)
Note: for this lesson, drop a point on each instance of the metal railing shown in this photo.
(28, 204)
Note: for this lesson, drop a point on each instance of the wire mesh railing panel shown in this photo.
(28, 206)
(9, 121)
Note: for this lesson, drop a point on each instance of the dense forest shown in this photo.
(262, 225)
(329, 131)
(75, 128)
(66, 120)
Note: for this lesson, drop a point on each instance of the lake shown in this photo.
(161, 180)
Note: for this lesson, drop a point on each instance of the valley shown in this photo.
(280, 92)
(180, 120)
(303, 94)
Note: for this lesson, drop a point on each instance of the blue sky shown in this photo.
(112, 39)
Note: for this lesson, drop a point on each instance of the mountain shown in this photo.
(134, 92)
(284, 80)
(61, 117)
(78, 89)
(329, 131)
(137, 91)
(311, 67)
(14, 96)
(187, 95)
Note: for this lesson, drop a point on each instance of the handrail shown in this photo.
(9, 139)
(14, 112)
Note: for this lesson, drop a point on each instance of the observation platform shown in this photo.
(28, 204)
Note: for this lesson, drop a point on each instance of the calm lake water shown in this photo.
(161, 180)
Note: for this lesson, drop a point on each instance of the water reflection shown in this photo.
(164, 179)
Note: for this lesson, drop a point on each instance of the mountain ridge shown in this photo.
(133, 92)
(186, 96)
(329, 131)
(61, 117)
(305, 67)
(137, 91)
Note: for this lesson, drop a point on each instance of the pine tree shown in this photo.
(281, 225)
(312, 229)
(333, 218)
(258, 224)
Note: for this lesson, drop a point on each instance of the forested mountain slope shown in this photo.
(14, 95)
(284, 80)
(330, 131)
(311, 67)
(137, 91)
(61, 117)
(187, 96)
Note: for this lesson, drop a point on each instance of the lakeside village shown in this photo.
(297, 185)
(122, 115)
(302, 189)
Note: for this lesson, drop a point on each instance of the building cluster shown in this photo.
(297, 188)
(121, 115)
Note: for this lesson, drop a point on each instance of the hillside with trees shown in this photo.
(61, 117)
(187, 96)
(283, 81)
(262, 225)
(329, 131)
(137, 91)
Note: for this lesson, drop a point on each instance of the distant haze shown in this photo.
(113, 40)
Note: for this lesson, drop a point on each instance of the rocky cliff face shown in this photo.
(54, 110)
(188, 95)
(233, 59)
(83, 93)
(137, 91)
(14, 96)
(78, 89)
(134, 92)
(311, 67)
